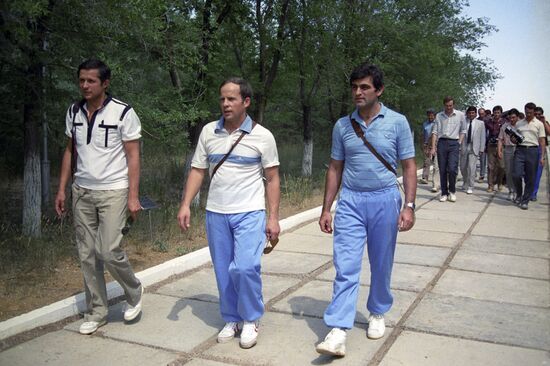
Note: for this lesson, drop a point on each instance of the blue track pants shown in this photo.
(370, 217)
(236, 243)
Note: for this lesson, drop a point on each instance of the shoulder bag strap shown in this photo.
(359, 132)
(230, 150)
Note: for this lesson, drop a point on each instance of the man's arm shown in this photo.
(194, 182)
(406, 217)
(332, 184)
(542, 146)
(64, 178)
(433, 143)
(273, 191)
(132, 157)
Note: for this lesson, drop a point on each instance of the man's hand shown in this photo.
(325, 222)
(499, 154)
(406, 219)
(432, 152)
(272, 229)
(184, 217)
(60, 203)
(134, 207)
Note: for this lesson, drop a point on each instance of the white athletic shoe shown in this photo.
(377, 326)
(90, 327)
(334, 343)
(469, 191)
(452, 197)
(228, 332)
(434, 189)
(443, 198)
(249, 335)
(132, 312)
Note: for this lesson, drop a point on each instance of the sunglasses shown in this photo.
(270, 245)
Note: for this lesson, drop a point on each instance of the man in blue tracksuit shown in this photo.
(236, 222)
(369, 208)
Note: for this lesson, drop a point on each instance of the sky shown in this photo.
(520, 51)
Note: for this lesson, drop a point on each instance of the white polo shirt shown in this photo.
(238, 184)
(101, 159)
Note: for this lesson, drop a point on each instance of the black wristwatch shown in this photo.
(410, 205)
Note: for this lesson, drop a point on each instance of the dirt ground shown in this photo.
(36, 289)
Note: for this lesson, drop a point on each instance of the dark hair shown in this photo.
(513, 111)
(365, 70)
(244, 86)
(448, 99)
(471, 109)
(539, 109)
(95, 64)
(497, 108)
(530, 105)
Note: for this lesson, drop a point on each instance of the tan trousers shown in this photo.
(99, 217)
(495, 166)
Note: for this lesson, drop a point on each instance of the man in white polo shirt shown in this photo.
(235, 210)
(103, 148)
(526, 156)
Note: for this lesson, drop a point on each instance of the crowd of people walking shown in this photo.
(508, 146)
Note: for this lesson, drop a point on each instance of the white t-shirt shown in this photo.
(101, 162)
(238, 184)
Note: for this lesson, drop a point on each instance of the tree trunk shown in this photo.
(31, 176)
(307, 159)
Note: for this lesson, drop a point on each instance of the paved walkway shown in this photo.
(471, 287)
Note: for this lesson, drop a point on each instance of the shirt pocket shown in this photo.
(78, 133)
(107, 135)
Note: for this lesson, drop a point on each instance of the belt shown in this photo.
(447, 138)
(526, 147)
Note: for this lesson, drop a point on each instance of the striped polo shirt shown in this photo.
(238, 184)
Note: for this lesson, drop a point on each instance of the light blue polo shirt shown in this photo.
(389, 133)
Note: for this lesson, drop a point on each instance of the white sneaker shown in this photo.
(334, 343)
(132, 312)
(469, 191)
(452, 197)
(435, 189)
(228, 332)
(90, 327)
(443, 198)
(249, 335)
(377, 326)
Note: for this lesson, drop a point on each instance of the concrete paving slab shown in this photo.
(428, 237)
(313, 298)
(422, 255)
(513, 228)
(67, 348)
(292, 263)
(520, 247)
(465, 203)
(429, 213)
(415, 349)
(442, 225)
(203, 362)
(302, 243)
(485, 286)
(511, 265)
(506, 210)
(202, 286)
(489, 321)
(446, 225)
(311, 229)
(406, 277)
(167, 322)
(290, 340)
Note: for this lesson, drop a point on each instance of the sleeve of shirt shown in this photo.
(436, 126)
(270, 156)
(337, 151)
(200, 158)
(463, 125)
(542, 132)
(69, 122)
(501, 133)
(131, 126)
(405, 144)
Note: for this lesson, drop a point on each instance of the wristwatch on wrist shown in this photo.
(410, 205)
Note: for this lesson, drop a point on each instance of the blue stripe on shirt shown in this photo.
(237, 159)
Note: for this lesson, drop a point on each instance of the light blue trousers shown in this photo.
(236, 243)
(370, 217)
